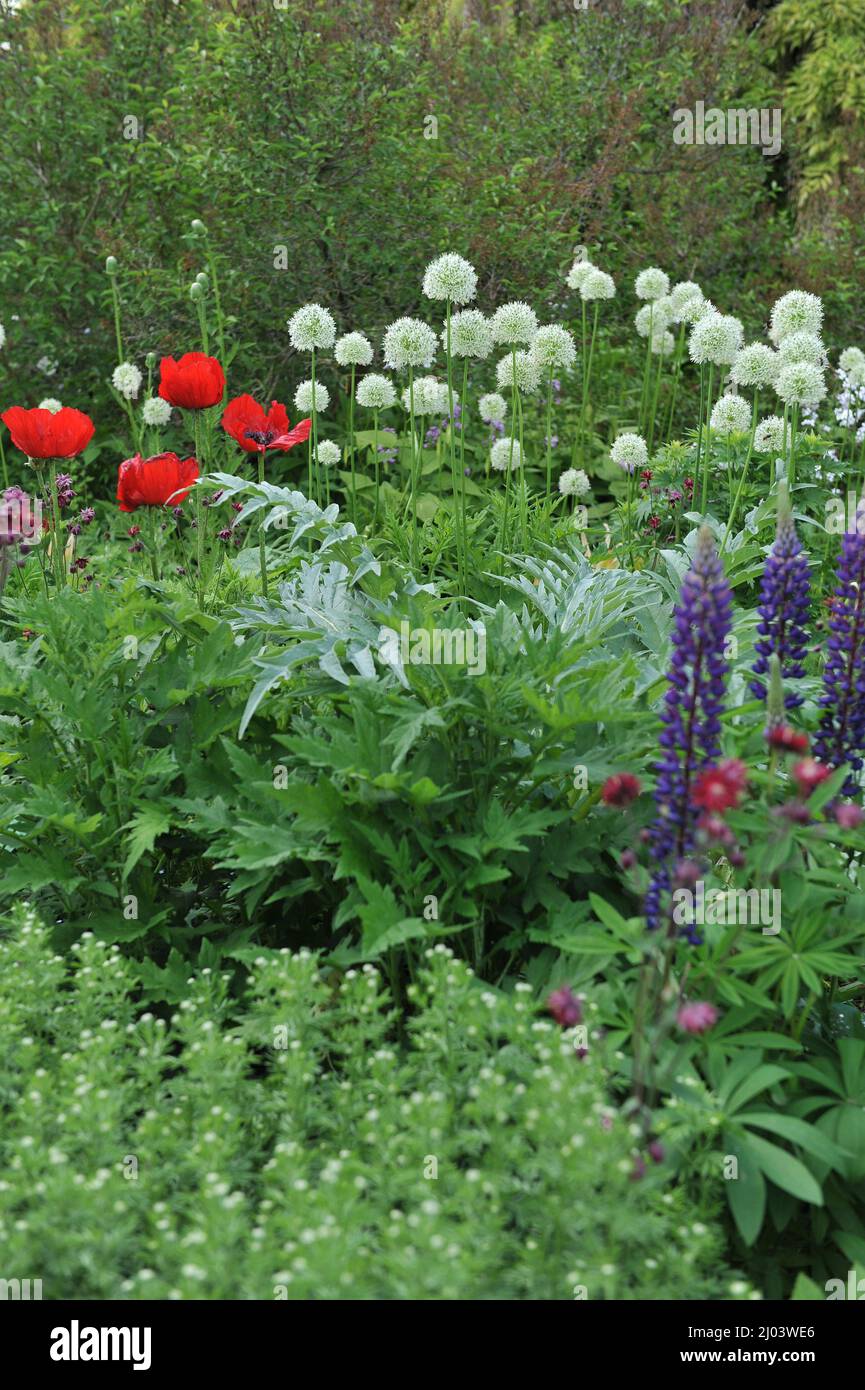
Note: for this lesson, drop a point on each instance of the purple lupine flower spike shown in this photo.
(841, 736)
(691, 715)
(784, 605)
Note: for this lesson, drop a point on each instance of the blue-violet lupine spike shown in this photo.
(841, 736)
(692, 711)
(784, 608)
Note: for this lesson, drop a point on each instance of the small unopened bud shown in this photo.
(202, 279)
(150, 361)
(195, 291)
(198, 227)
(111, 265)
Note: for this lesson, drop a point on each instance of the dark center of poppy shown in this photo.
(261, 437)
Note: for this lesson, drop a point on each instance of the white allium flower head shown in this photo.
(731, 415)
(47, 366)
(155, 411)
(51, 404)
(796, 312)
(654, 317)
(717, 338)
(409, 343)
(450, 277)
(681, 293)
(856, 376)
(328, 453)
(430, 396)
(630, 452)
(311, 327)
(526, 377)
(851, 359)
(2, 335)
(695, 309)
(501, 457)
(514, 323)
(353, 350)
(597, 285)
(802, 347)
(801, 383)
(127, 380)
(756, 365)
(492, 406)
(376, 392)
(663, 343)
(303, 397)
(578, 272)
(471, 334)
(553, 348)
(652, 283)
(769, 435)
(574, 482)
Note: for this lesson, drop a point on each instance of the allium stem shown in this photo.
(351, 445)
(313, 434)
(704, 504)
(735, 507)
(549, 439)
(377, 466)
(677, 372)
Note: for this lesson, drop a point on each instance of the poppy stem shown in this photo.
(262, 548)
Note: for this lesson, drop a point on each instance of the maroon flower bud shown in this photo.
(620, 789)
(565, 1007)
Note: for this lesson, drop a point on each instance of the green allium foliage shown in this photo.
(287, 1146)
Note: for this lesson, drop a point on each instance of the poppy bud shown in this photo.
(150, 361)
(198, 227)
(202, 280)
(111, 265)
(195, 291)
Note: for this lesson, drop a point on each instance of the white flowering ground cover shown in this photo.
(431, 806)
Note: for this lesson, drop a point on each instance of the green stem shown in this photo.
(351, 446)
(262, 547)
(705, 493)
(735, 507)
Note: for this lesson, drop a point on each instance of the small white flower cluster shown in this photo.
(409, 343)
(553, 348)
(591, 282)
(492, 407)
(353, 350)
(471, 334)
(630, 452)
(756, 365)
(126, 379)
(769, 435)
(450, 277)
(328, 454)
(518, 370)
(715, 339)
(311, 328)
(513, 324)
(375, 392)
(730, 415)
(652, 284)
(156, 412)
(304, 394)
(505, 454)
(574, 482)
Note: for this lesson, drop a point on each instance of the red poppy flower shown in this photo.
(620, 789)
(719, 788)
(193, 383)
(154, 482)
(245, 420)
(42, 434)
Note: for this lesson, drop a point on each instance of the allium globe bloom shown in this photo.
(565, 1007)
(662, 344)
(353, 350)
(409, 343)
(553, 348)
(471, 334)
(783, 610)
(256, 430)
(852, 359)
(716, 338)
(514, 323)
(578, 273)
(840, 739)
(730, 415)
(450, 277)
(756, 365)
(695, 309)
(47, 434)
(720, 788)
(630, 451)
(621, 789)
(574, 482)
(521, 371)
(681, 294)
(801, 383)
(303, 398)
(796, 312)
(429, 395)
(312, 328)
(375, 392)
(654, 317)
(652, 283)
(492, 407)
(194, 382)
(505, 454)
(50, 403)
(126, 379)
(769, 435)
(697, 1018)
(787, 739)
(691, 715)
(164, 480)
(802, 347)
(597, 285)
(328, 453)
(808, 774)
(848, 815)
(156, 412)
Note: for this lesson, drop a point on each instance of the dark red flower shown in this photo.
(620, 789)
(154, 482)
(42, 434)
(245, 420)
(719, 788)
(193, 383)
(848, 815)
(565, 1007)
(809, 774)
(697, 1017)
(785, 737)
